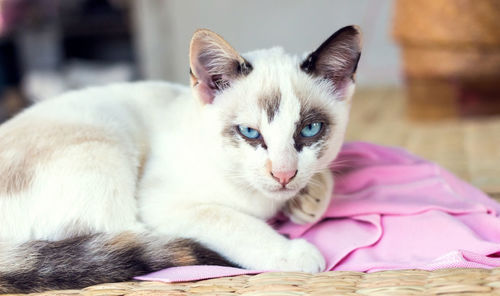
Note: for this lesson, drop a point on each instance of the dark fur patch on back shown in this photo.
(82, 261)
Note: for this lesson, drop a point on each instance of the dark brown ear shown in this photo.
(214, 64)
(337, 58)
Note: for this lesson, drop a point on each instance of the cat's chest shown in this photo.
(173, 178)
(249, 202)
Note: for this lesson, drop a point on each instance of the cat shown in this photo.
(106, 183)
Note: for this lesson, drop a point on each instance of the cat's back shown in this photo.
(75, 138)
(119, 113)
(118, 107)
(95, 103)
(123, 111)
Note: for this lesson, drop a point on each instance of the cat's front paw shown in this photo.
(301, 256)
(312, 201)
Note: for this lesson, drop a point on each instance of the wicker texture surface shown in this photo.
(385, 283)
(470, 149)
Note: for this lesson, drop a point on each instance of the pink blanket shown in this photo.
(391, 210)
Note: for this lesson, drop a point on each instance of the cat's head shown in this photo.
(280, 118)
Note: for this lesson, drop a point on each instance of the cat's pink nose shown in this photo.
(283, 177)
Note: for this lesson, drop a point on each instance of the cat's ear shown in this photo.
(337, 58)
(214, 64)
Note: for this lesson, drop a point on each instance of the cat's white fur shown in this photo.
(153, 159)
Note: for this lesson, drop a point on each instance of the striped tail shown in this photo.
(82, 261)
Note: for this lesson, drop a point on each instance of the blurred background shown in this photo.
(48, 46)
(428, 79)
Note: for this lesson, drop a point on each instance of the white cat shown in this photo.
(106, 183)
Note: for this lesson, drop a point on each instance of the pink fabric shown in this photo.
(391, 210)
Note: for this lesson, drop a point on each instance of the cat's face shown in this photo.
(280, 119)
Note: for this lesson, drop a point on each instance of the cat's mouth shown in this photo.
(284, 189)
(282, 193)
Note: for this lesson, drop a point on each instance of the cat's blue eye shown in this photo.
(249, 132)
(311, 129)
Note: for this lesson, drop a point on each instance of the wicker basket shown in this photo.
(451, 53)
(445, 282)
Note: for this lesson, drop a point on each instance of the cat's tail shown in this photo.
(92, 259)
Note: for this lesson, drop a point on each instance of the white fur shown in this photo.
(195, 184)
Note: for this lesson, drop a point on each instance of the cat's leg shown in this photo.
(312, 201)
(243, 239)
